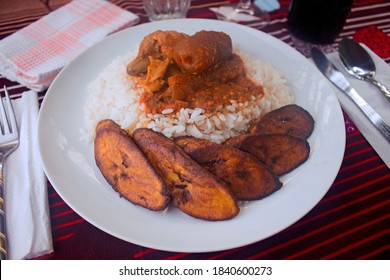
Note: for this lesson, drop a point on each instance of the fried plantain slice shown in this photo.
(194, 190)
(280, 152)
(247, 178)
(190, 144)
(126, 169)
(290, 119)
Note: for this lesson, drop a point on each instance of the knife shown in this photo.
(338, 79)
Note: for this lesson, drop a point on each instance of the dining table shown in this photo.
(352, 220)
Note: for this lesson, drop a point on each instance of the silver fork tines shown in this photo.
(9, 141)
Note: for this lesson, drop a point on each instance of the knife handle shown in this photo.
(370, 113)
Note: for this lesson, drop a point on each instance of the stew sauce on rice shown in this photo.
(200, 71)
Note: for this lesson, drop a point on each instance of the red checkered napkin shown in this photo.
(34, 55)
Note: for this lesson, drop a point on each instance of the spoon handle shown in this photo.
(380, 86)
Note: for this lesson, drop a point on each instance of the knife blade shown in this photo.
(330, 71)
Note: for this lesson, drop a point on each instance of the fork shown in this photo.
(9, 141)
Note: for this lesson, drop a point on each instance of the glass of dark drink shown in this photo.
(317, 21)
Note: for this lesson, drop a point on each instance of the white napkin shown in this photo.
(373, 97)
(228, 13)
(26, 202)
(34, 55)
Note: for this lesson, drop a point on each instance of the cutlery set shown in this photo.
(359, 64)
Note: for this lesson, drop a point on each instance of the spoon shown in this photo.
(359, 63)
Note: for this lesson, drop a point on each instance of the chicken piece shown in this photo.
(153, 81)
(280, 152)
(290, 119)
(155, 59)
(194, 190)
(158, 45)
(202, 51)
(126, 169)
(246, 177)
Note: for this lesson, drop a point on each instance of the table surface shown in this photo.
(352, 221)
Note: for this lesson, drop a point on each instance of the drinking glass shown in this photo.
(166, 9)
(317, 21)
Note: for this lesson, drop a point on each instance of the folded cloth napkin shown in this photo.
(373, 97)
(34, 55)
(26, 202)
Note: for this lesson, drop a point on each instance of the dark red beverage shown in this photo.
(318, 21)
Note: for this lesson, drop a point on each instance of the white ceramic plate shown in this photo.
(70, 167)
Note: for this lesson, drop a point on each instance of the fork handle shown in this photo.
(3, 240)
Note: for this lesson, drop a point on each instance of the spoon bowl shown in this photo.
(358, 62)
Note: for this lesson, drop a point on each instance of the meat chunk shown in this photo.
(154, 61)
(158, 45)
(202, 51)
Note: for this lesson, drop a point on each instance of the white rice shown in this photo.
(113, 95)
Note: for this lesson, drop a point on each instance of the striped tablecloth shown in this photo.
(352, 221)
